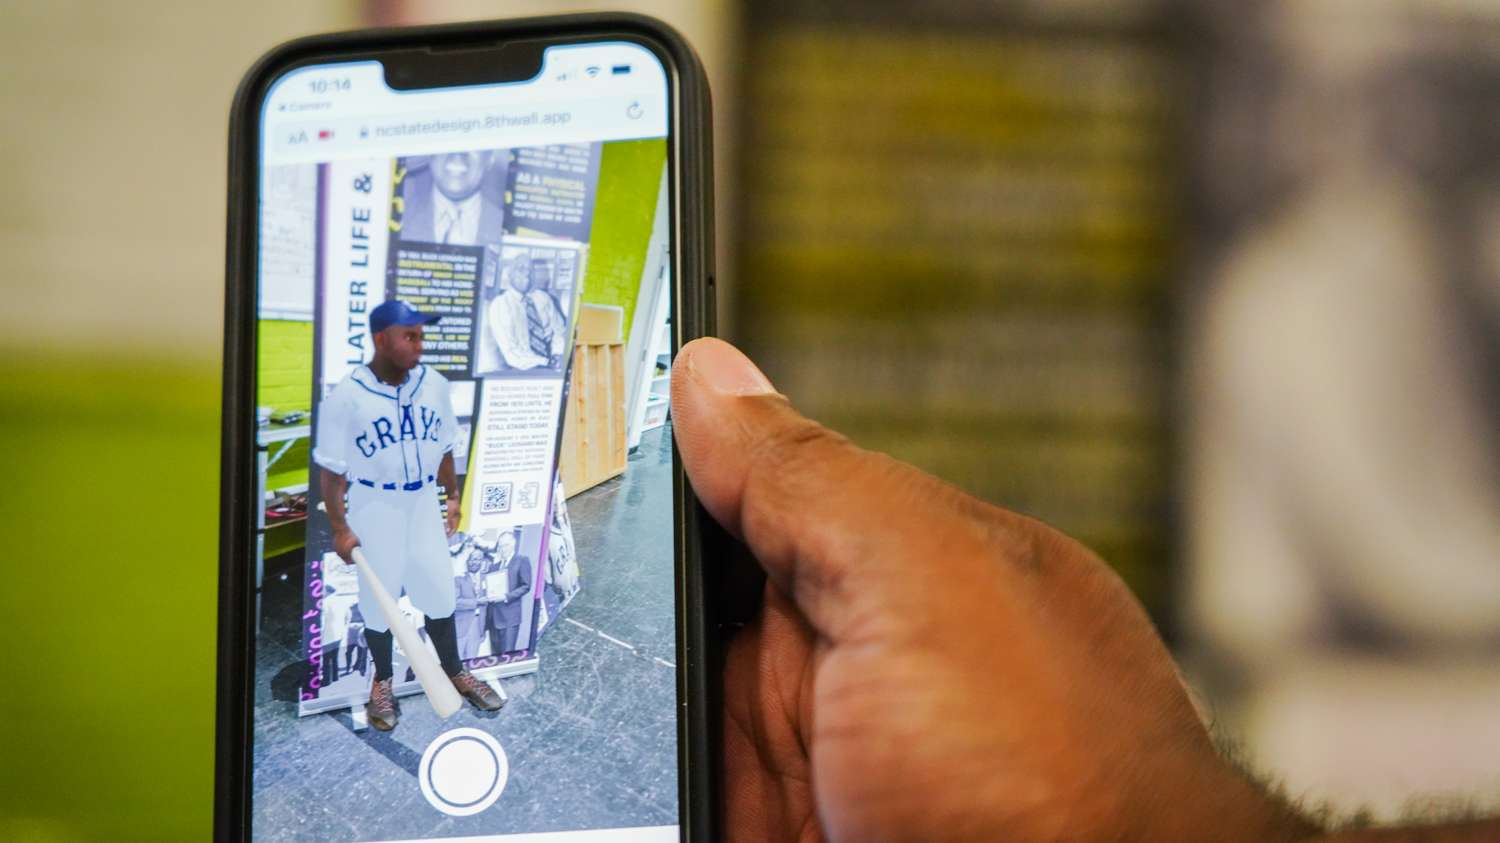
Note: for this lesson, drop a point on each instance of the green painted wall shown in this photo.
(115, 582)
(624, 210)
(286, 355)
(291, 469)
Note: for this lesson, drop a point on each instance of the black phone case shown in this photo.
(690, 189)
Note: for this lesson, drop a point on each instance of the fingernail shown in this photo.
(724, 369)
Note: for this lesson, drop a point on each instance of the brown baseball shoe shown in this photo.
(381, 709)
(481, 695)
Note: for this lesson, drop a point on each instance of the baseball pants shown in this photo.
(404, 540)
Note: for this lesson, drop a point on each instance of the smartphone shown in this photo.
(460, 593)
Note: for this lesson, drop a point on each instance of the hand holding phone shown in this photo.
(872, 699)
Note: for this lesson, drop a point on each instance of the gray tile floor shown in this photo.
(591, 738)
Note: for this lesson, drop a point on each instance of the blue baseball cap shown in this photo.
(397, 312)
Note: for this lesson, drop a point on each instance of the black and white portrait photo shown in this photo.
(524, 308)
(448, 198)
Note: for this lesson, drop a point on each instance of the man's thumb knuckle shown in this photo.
(791, 462)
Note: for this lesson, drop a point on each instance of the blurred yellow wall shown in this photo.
(113, 126)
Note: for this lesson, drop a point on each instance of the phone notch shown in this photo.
(461, 65)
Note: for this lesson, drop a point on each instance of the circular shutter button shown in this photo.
(463, 772)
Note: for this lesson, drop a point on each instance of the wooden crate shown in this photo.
(593, 445)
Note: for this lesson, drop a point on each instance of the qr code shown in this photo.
(495, 497)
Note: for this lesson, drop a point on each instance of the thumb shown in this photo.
(846, 533)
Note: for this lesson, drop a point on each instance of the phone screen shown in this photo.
(464, 352)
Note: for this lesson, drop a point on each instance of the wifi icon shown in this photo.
(592, 72)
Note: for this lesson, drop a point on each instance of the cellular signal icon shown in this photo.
(592, 72)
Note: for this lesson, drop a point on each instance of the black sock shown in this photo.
(380, 652)
(444, 635)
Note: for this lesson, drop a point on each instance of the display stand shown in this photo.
(488, 675)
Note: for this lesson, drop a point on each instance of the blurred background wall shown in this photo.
(1341, 338)
(958, 234)
(1210, 284)
(113, 119)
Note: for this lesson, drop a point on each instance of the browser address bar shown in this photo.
(524, 124)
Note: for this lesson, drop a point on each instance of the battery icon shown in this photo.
(620, 69)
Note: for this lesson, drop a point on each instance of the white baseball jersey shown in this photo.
(383, 436)
(389, 440)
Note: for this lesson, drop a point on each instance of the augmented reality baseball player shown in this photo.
(385, 438)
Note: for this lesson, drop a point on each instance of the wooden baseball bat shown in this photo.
(435, 682)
